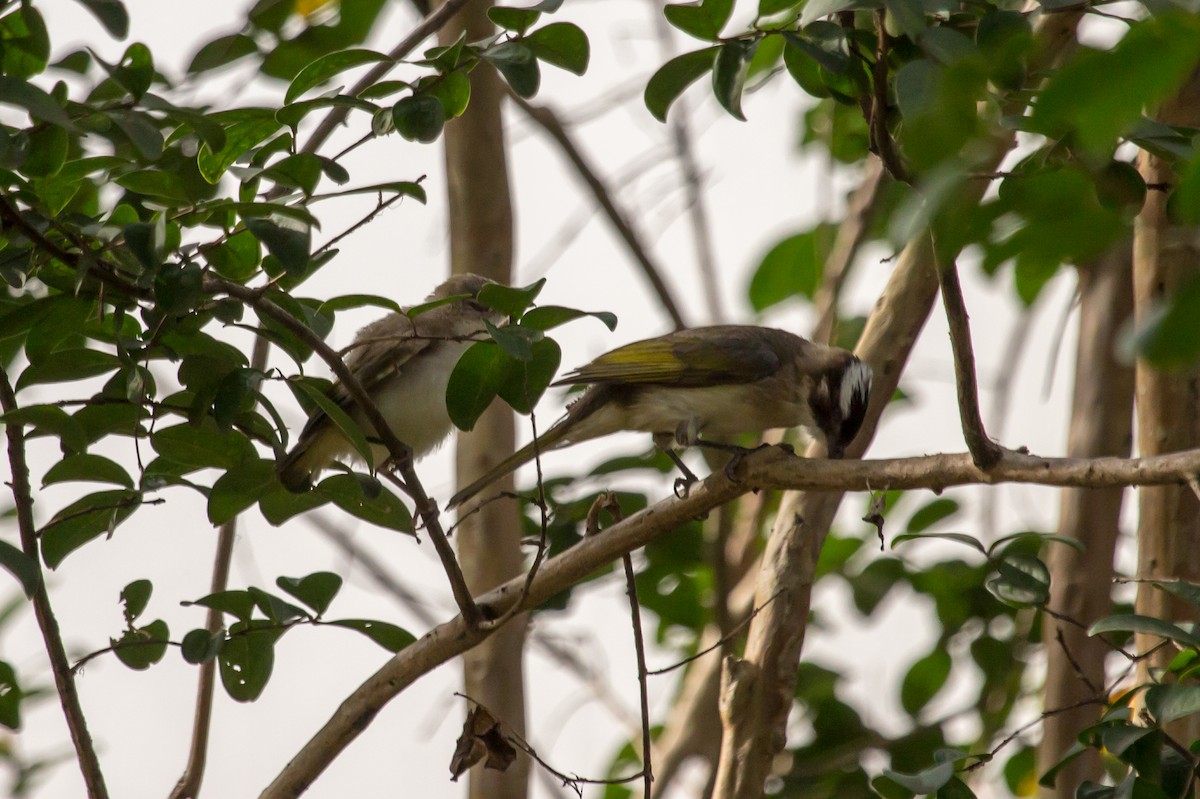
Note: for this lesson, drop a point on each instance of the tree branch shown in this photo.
(768, 468)
(985, 451)
(549, 122)
(60, 666)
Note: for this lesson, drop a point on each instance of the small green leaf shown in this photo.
(239, 488)
(516, 341)
(407, 188)
(203, 445)
(729, 75)
(517, 20)
(672, 78)
(299, 171)
(510, 300)
(14, 91)
(51, 420)
(348, 301)
(547, 317)
(383, 508)
(388, 636)
(767, 8)
(200, 645)
(329, 65)
(923, 680)
(924, 782)
(240, 138)
(142, 648)
(316, 590)
(280, 505)
(87, 467)
(527, 380)
(518, 65)
(21, 566)
(791, 268)
(453, 91)
(155, 183)
(10, 698)
(420, 118)
(930, 514)
(112, 15)
(134, 598)
(909, 16)
(222, 51)
(289, 245)
(1021, 581)
(238, 604)
(81, 521)
(1135, 623)
(275, 608)
(562, 44)
(247, 660)
(67, 365)
(347, 426)
(473, 384)
(961, 538)
(704, 19)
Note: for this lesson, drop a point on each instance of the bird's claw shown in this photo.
(683, 486)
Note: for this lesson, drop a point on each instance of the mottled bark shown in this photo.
(1080, 585)
(481, 241)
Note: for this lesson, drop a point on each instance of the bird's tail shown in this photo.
(549, 440)
(295, 470)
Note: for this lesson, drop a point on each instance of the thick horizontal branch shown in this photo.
(768, 468)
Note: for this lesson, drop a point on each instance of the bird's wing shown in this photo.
(378, 351)
(701, 357)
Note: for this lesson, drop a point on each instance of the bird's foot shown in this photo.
(683, 486)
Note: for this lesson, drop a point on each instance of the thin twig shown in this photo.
(985, 452)
(189, 782)
(429, 26)
(724, 639)
(64, 680)
(549, 122)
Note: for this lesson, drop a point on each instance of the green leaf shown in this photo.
(388, 636)
(704, 19)
(1169, 336)
(327, 66)
(348, 301)
(289, 245)
(1188, 592)
(240, 137)
(473, 384)
(316, 590)
(15, 91)
(1171, 702)
(767, 8)
(517, 20)
(200, 645)
(1002, 543)
(300, 171)
(142, 131)
(203, 445)
(383, 509)
(527, 380)
(222, 51)
(1135, 623)
(280, 505)
(420, 118)
(83, 520)
(155, 183)
(961, 538)
(51, 420)
(930, 514)
(562, 44)
(407, 188)
(923, 680)
(67, 365)
(453, 91)
(729, 75)
(134, 598)
(26, 43)
(142, 648)
(236, 258)
(518, 65)
(1021, 581)
(178, 288)
(510, 300)
(924, 782)
(48, 150)
(1099, 94)
(547, 317)
(10, 698)
(791, 268)
(247, 660)
(86, 466)
(112, 15)
(239, 488)
(238, 604)
(672, 78)
(21, 566)
(909, 16)
(276, 608)
(347, 426)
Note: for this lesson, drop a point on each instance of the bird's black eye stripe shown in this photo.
(475, 305)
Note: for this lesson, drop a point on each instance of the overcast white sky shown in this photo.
(760, 190)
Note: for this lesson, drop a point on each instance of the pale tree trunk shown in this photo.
(1081, 582)
(1165, 257)
(481, 241)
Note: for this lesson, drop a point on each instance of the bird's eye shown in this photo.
(478, 307)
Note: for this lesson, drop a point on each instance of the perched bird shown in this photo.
(718, 380)
(404, 363)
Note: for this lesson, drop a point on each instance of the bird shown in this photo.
(404, 363)
(718, 380)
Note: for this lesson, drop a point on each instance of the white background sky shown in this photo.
(761, 189)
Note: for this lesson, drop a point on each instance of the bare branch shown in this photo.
(64, 679)
(549, 122)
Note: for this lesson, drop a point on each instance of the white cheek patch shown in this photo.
(856, 382)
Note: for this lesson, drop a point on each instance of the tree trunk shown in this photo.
(1081, 582)
(481, 241)
(1165, 256)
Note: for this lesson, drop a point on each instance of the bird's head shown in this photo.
(839, 402)
(467, 286)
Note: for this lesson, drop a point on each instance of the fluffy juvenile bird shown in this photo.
(719, 380)
(404, 363)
